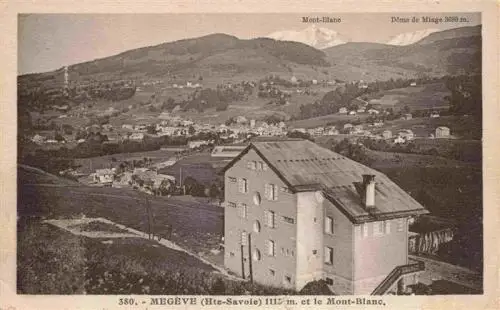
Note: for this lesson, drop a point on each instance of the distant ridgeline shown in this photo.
(53, 92)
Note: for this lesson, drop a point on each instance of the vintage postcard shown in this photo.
(184, 156)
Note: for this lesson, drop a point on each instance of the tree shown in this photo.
(191, 130)
(166, 187)
(58, 137)
(151, 129)
(300, 135)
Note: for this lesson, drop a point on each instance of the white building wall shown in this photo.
(309, 238)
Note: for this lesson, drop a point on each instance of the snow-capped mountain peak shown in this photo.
(314, 36)
(408, 38)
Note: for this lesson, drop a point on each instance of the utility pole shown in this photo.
(250, 269)
(242, 261)
(150, 219)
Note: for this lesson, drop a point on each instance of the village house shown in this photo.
(406, 134)
(343, 110)
(197, 143)
(387, 134)
(352, 112)
(361, 110)
(358, 128)
(229, 151)
(399, 140)
(103, 176)
(38, 139)
(136, 136)
(407, 116)
(442, 132)
(434, 114)
(373, 112)
(331, 131)
(337, 220)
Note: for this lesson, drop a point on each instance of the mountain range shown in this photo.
(314, 36)
(221, 57)
(408, 38)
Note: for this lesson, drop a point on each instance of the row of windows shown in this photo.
(269, 216)
(379, 228)
(286, 279)
(270, 190)
(257, 165)
(270, 248)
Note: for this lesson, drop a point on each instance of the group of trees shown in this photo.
(344, 96)
(213, 98)
(466, 95)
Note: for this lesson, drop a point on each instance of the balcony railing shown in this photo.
(396, 274)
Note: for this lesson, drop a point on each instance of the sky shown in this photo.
(51, 41)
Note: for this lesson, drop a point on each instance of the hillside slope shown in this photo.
(212, 56)
(454, 51)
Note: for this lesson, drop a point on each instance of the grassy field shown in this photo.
(53, 261)
(420, 97)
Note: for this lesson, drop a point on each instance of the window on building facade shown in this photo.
(271, 191)
(288, 219)
(365, 230)
(256, 198)
(231, 204)
(328, 225)
(256, 226)
(260, 165)
(252, 165)
(378, 228)
(387, 227)
(264, 166)
(269, 215)
(329, 255)
(271, 247)
(285, 189)
(244, 238)
(242, 185)
(401, 224)
(243, 210)
(288, 279)
(256, 255)
(231, 179)
(272, 272)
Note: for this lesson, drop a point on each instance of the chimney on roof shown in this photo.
(369, 190)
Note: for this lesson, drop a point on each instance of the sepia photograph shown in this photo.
(262, 154)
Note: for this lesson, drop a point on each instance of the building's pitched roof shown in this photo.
(305, 166)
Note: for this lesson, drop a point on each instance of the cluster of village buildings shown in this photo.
(240, 128)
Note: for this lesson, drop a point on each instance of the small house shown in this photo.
(442, 132)
(104, 176)
(343, 110)
(387, 134)
(399, 140)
